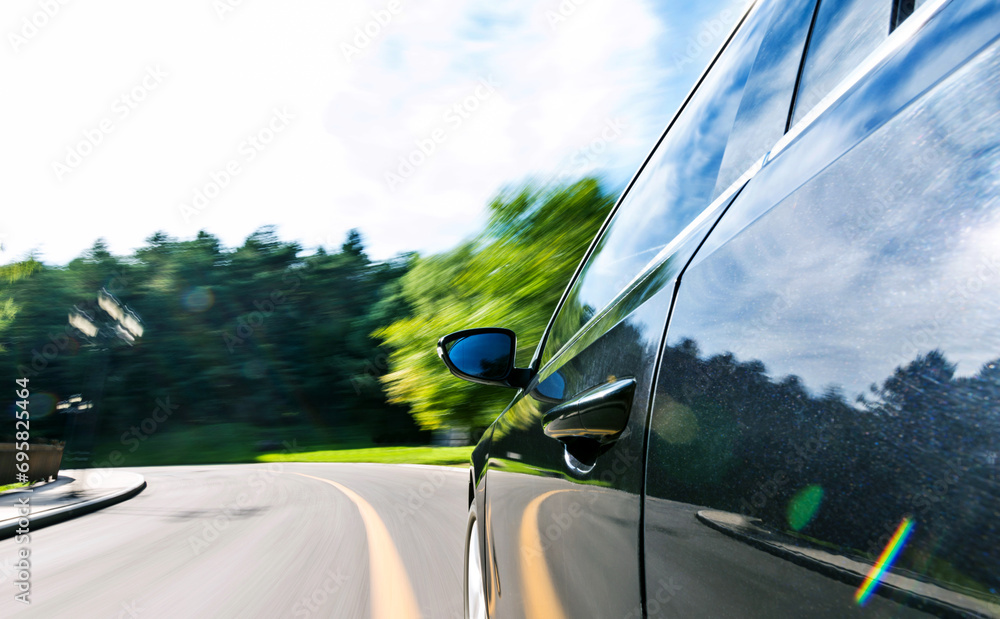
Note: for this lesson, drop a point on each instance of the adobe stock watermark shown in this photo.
(373, 369)
(622, 465)
(247, 324)
(314, 602)
(586, 156)
(265, 307)
(803, 452)
(454, 117)
(32, 25)
(223, 8)
(248, 150)
(129, 610)
(558, 523)
(934, 490)
(62, 340)
(562, 12)
(924, 503)
(371, 29)
(58, 343)
(417, 497)
(923, 337)
(666, 591)
(552, 529)
(132, 438)
(121, 108)
(259, 481)
(8, 568)
(708, 39)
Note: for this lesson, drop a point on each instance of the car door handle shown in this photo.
(599, 413)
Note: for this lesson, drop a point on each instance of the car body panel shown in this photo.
(832, 367)
(545, 514)
(797, 274)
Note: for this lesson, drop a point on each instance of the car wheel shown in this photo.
(475, 598)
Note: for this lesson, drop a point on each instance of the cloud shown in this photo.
(556, 86)
(558, 83)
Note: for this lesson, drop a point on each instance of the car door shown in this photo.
(824, 429)
(564, 479)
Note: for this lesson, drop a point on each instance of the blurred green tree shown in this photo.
(510, 275)
(258, 335)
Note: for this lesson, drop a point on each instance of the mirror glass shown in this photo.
(484, 355)
(552, 389)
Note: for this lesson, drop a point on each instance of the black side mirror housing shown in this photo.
(484, 355)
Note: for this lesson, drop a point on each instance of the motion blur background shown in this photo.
(232, 227)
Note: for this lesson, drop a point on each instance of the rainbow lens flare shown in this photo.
(884, 561)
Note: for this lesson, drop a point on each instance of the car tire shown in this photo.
(475, 597)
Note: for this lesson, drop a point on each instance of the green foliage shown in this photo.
(241, 345)
(257, 335)
(11, 273)
(19, 270)
(390, 455)
(511, 275)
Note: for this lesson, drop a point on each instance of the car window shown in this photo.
(673, 187)
(682, 177)
(767, 99)
(902, 9)
(844, 33)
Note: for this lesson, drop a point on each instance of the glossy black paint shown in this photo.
(832, 368)
(813, 359)
(574, 503)
(549, 504)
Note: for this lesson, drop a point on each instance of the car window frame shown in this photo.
(537, 356)
(892, 43)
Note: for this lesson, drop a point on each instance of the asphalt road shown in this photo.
(289, 540)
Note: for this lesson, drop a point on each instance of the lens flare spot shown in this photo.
(803, 506)
(198, 299)
(42, 404)
(885, 561)
(676, 423)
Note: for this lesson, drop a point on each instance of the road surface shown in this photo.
(288, 540)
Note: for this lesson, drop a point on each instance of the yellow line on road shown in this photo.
(540, 598)
(391, 594)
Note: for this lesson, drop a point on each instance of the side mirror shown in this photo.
(483, 356)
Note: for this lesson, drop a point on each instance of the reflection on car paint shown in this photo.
(823, 433)
(829, 391)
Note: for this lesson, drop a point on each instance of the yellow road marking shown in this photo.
(391, 593)
(540, 598)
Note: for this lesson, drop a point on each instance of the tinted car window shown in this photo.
(903, 9)
(763, 113)
(845, 32)
(676, 184)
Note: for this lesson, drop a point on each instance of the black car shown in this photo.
(772, 387)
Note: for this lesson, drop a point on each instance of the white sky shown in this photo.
(211, 75)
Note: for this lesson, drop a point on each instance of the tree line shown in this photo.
(334, 344)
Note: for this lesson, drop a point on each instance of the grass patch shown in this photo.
(232, 443)
(447, 456)
(215, 444)
(223, 443)
(13, 487)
